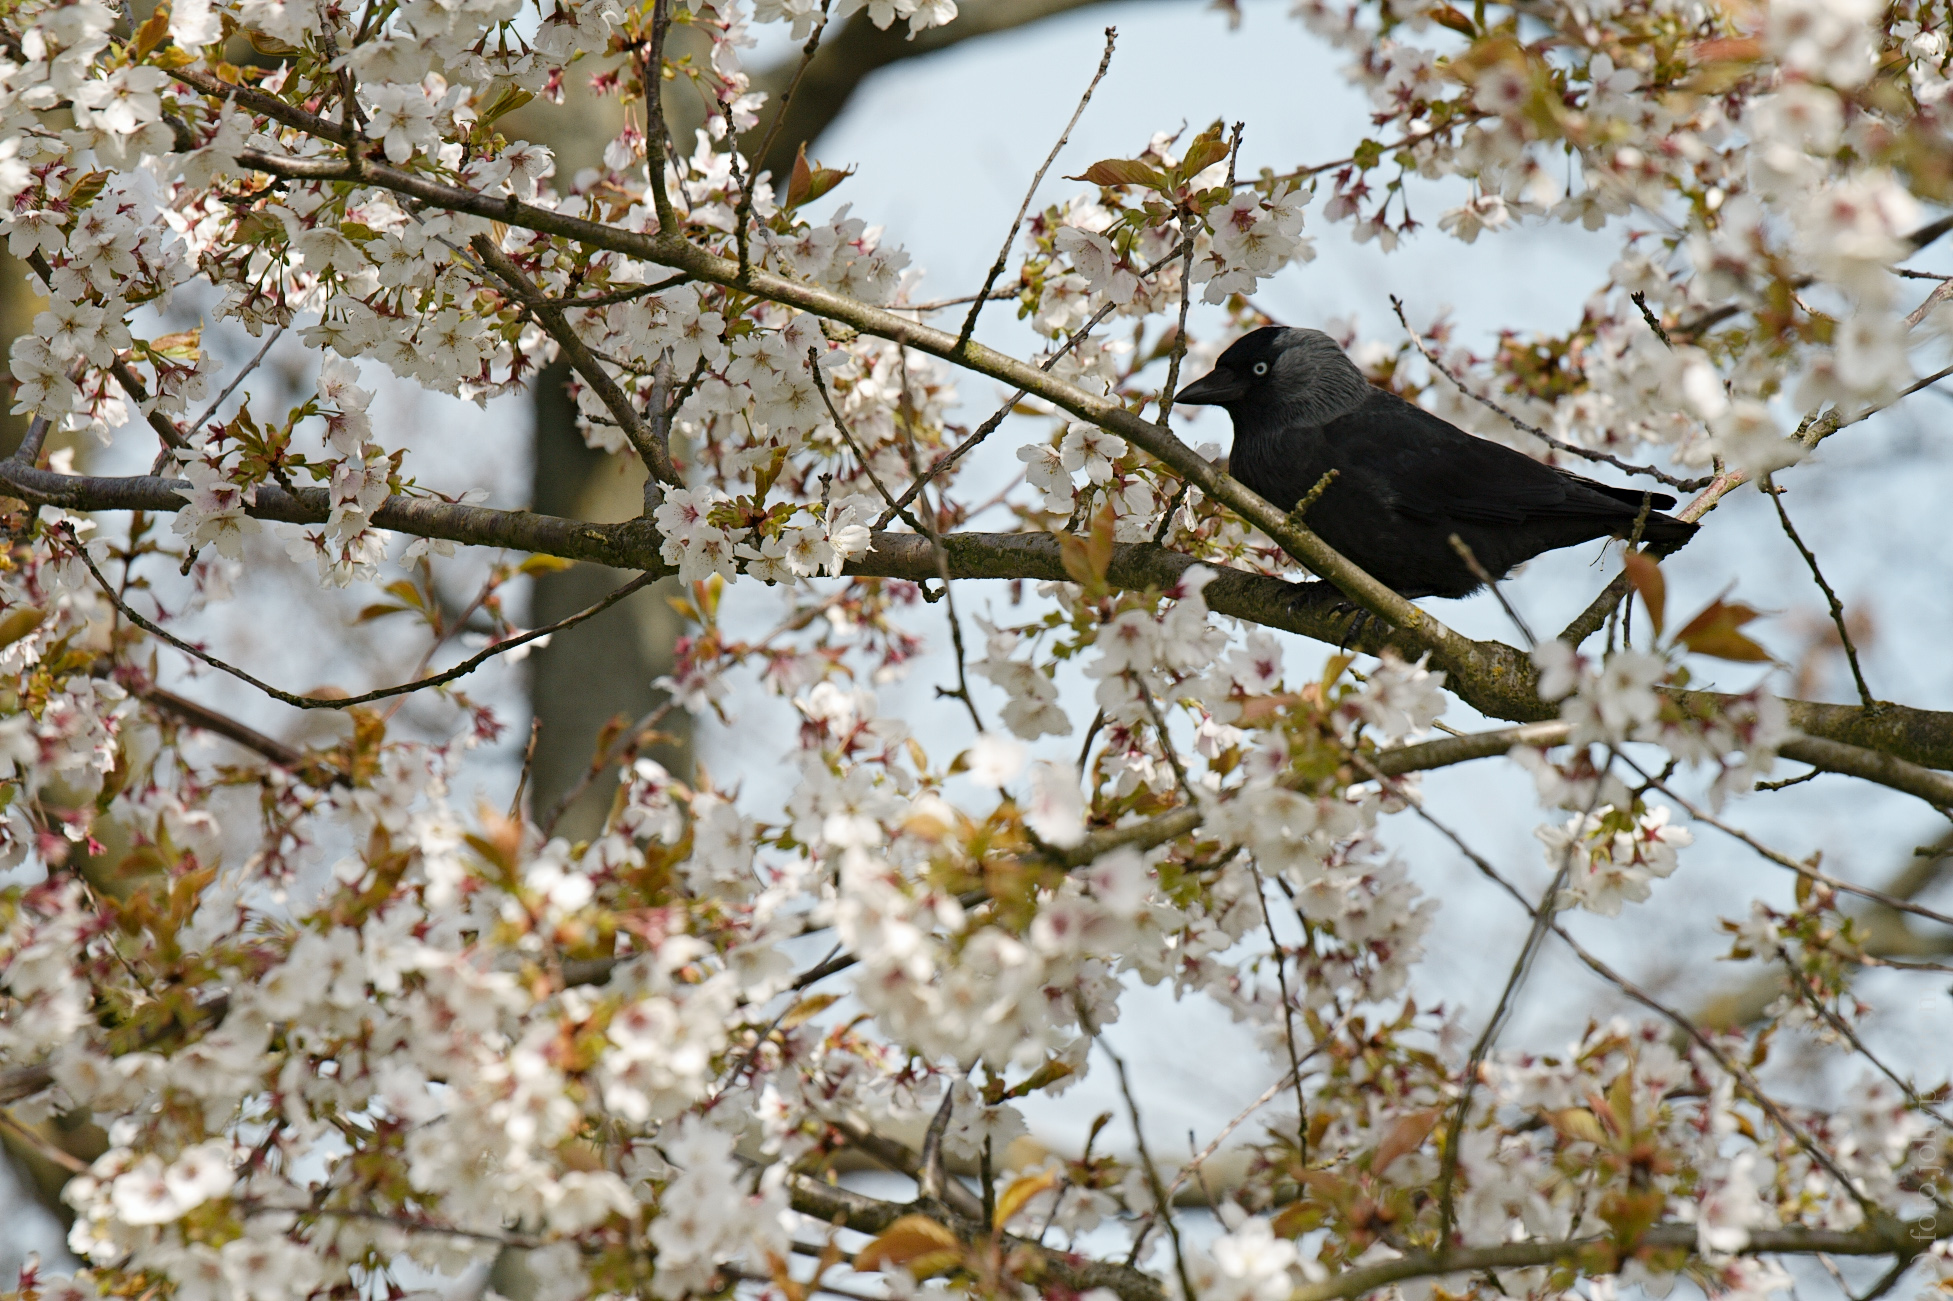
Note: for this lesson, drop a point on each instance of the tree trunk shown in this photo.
(600, 671)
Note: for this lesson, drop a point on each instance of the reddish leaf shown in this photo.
(1087, 558)
(1713, 632)
(810, 182)
(1121, 171)
(1645, 574)
(1405, 1136)
(1446, 16)
(1726, 49)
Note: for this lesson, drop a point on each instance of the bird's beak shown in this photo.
(1215, 388)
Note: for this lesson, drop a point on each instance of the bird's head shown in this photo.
(1282, 376)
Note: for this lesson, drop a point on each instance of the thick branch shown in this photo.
(1072, 1273)
(860, 49)
(650, 448)
(1497, 680)
(1905, 1240)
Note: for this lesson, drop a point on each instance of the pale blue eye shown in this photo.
(1261, 368)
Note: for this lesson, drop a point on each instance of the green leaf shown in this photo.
(154, 31)
(511, 99)
(1208, 148)
(18, 622)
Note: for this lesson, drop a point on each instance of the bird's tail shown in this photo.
(1664, 534)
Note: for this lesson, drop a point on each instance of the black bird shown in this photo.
(1406, 481)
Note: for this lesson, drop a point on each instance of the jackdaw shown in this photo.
(1406, 481)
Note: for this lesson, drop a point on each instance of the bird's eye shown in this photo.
(1260, 368)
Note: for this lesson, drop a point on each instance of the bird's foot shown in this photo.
(1327, 600)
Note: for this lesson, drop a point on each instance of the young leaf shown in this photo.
(1579, 1124)
(1208, 148)
(18, 622)
(511, 99)
(1121, 171)
(1645, 574)
(1018, 1192)
(1713, 632)
(807, 1009)
(915, 1241)
(541, 564)
(154, 31)
(1406, 1135)
(810, 182)
(1049, 1073)
(1087, 558)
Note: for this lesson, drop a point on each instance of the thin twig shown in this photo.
(1775, 494)
(1179, 353)
(931, 529)
(751, 1055)
(656, 458)
(961, 300)
(1161, 1206)
(1557, 444)
(242, 375)
(1838, 1023)
(1464, 551)
(631, 736)
(1166, 742)
(867, 467)
(1695, 1034)
(1241, 1118)
(621, 296)
(1940, 293)
(1789, 781)
(1786, 861)
(1640, 300)
(807, 53)
(528, 763)
(1454, 1131)
(1003, 254)
(1288, 1014)
(931, 1177)
(209, 720)
(462, 669)
(652, 77)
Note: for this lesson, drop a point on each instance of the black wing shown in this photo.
(1426, 467)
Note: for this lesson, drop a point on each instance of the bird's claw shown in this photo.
(1326, 599)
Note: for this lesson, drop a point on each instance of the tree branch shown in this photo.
(1497, 680)
(650, 448)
